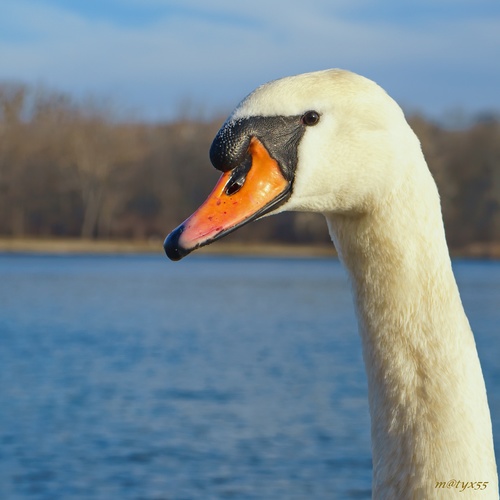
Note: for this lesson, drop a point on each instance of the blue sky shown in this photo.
(151, 57)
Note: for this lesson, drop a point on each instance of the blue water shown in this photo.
(137, 378)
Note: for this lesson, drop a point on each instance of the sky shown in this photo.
(159, 58)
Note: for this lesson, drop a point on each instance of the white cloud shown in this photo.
(219, 53)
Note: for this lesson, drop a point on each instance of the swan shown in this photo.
(334, 142)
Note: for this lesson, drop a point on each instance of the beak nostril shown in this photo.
(238, 177)
(234, 185)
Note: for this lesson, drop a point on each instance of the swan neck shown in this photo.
(430, 416)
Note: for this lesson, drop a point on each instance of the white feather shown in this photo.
(362, 167)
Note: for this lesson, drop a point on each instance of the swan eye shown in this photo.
(310, 118)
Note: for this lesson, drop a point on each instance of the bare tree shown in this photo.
(14, 154)
(73, 168)
(99, 147)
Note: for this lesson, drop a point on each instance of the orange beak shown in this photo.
(240, 196)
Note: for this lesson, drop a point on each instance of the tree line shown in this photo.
(77, 169)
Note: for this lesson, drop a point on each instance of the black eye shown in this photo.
(310, 118)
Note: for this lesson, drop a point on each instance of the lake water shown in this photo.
(131, 377)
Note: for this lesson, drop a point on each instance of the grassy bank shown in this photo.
(82, 246)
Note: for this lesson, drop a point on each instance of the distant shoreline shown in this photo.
(100, 247)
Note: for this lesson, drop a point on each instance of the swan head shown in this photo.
(329, 141)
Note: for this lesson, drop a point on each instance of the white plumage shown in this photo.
(362, 167)
(334, 142)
